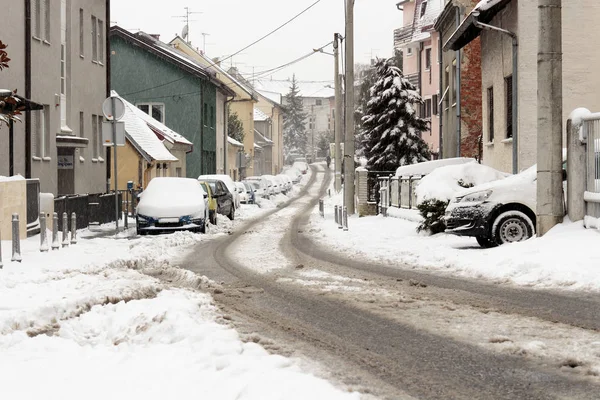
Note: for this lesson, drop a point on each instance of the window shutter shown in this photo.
(435, 104)
(36, 6)
(35, 147)
(509, 113)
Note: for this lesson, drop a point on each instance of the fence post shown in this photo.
(345, 219)
(410, 197)
(73, 228)
(43, 236)
(335, 211)
(16, 239)
(65, 229)
(55, 244)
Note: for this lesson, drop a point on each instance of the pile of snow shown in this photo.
(484, 5)
(427, 167)
(443, 183)
(14, 178)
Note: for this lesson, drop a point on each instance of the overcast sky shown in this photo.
(233, 24)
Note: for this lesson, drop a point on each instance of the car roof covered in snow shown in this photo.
(427, 167)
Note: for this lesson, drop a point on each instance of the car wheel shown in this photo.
(213, 218)
(203, 228)
(485, 242)
(511, 227)
(231, 215)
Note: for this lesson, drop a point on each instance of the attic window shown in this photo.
(423, 9)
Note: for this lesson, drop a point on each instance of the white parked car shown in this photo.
(287, 182)
(226, 179)
(301, 166)
(241, 190)
(265, 186)
(260, 188)
(294, 174)
(276, 188)
(172, 204)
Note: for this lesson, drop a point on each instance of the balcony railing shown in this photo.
(403, 35)
(414, 79)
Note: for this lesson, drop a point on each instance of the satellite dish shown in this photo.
(184, 32)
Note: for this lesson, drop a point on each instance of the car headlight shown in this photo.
(144, 219)
(477, 197)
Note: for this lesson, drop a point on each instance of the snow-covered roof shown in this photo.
(141, 136)
(262, 140)
(307, 89)
(274, 97)
(423, 25)
(260, 116)
(234, 142)
(161, 129)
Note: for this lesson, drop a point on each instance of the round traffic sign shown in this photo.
(107, 108)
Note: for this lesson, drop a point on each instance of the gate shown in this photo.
(591, 132)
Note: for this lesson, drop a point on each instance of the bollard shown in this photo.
(43, 235)
(16, 239)
(335, 211)
(340, 219)
(65, 230)
(73, 228)
(55, 244)
(345, 219)
(126, 222)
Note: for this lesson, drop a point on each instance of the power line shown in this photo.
(237, 52)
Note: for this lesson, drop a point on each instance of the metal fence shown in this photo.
(91, 209)
(33, 207)
(591, 131)
(397, 192)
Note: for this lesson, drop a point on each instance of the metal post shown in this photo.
(577, 173)
(55, 244)
(349, 142)
(114, 135)
(16, 239)
(338, 114)
(43, 234)
(126, 223)
(73, 228)
(515, 103)
(549, 128)
(65, 229)
(340, 217)
(457, 100)
(335, 212)
(345, 219)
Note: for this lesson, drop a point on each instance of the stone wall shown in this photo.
(13, 199)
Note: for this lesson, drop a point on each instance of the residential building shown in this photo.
(581, 83)
(263, 130)
(241, 102)
(145, 155)
(460, 86)
(234, 148)
(173, 88)
(58, 59)
(419, 43)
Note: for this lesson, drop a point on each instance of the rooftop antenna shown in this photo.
(185, 33)
(204, 35)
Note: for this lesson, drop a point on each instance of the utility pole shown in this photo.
(549, 134)
(338, 114)
(349, 142)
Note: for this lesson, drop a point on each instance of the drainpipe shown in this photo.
(28, 87)
(420, 67)
(457, 83)
(226, 133)
(441, 91)
(108, 86)
(515, 88)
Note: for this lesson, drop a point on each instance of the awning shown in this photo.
(14, 102)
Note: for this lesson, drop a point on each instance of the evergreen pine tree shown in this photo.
(392, 130)
(235, 127)
(294, 130)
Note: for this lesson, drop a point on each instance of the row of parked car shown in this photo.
(171, 204)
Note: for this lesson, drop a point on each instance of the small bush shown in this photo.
(432, 211)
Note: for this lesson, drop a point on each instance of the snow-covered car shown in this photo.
(264, 188)
(259, 190)
(241, 190)
(287, 182)
(172, 204)
(301, 166)
(294, 174)
(228, 182)
(275, 188)
(281, 183)
(496, 213)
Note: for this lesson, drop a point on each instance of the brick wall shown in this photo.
(471, 100)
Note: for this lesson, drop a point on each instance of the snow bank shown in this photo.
(427, 167)
(11, 178)
(443, 182)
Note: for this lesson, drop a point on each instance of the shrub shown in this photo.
(432, 211)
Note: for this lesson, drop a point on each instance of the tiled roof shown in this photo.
(260, 116)
(424, 25)
(141, 136)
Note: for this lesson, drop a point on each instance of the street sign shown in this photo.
(107, 133)
(107, 108)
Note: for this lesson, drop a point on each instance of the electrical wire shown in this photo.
(236, 53)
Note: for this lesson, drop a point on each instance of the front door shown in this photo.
(66, 171)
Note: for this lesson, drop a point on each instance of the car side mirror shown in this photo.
(205, 195)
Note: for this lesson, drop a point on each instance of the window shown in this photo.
(205, 117)
(447, 90)
(81, 35)
(212, 117)
(490, 98)
(319, 102)
(100, 41)
(155, 110)
(409, 51)
(81, 125)
(428, 59)
(178, 172)
(455, 83)
(95, 137)
(165, 170)
(36, 15)
(427, 109)
(47, 20)
(509, 114)
(434, 105)
(94, 39)
(423, 9)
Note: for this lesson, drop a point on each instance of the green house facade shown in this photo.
(172, 88)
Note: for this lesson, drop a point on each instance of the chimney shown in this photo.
(156, 36)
